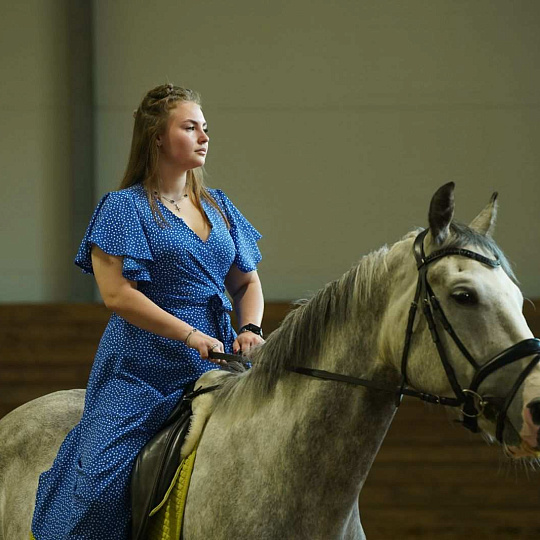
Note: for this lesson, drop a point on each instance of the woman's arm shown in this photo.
(121, 296)
(246, 292)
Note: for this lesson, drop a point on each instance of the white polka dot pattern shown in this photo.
(138, 377)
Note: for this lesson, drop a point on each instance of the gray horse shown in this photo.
(285, 455)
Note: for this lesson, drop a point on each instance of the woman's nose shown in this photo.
(204, 137)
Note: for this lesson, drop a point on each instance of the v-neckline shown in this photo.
(187, 226)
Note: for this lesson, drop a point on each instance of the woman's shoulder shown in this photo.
(124, 196)
(219, 196)
(132, 192)
(123, 201)
(215, 192)
(234, 215)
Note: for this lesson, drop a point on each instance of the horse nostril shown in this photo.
(534, 406)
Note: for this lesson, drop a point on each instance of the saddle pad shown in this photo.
(165, 521)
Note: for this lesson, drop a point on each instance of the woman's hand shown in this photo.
(204, 344)
(246, 341)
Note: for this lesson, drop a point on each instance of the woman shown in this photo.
(162, 249)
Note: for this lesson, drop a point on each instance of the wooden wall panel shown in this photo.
(431, 479)
(44, 348)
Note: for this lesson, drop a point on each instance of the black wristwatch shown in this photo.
(252, 328)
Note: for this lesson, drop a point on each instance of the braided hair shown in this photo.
(151, 119)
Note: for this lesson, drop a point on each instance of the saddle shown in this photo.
(158, 461)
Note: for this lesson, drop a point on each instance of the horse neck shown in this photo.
(333, 428)
(347, 335)
(353, 420)
(345, 424)
(328, 331)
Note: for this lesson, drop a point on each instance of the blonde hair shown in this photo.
(143, 165)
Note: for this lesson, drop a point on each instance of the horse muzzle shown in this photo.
(475, 403)
(530, 432)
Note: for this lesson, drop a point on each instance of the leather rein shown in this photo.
(471, 402)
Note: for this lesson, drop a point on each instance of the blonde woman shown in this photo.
(163, 249)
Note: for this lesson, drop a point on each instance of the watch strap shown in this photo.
(252, 328)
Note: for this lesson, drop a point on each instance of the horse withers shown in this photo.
(438, 315)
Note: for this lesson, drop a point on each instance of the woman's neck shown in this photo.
(173, 182)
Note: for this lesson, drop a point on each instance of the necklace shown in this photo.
(175, 203)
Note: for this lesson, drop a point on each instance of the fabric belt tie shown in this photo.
(217, 305)
(220, 306)
(217, 301)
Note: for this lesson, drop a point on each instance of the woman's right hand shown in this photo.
(204, 344)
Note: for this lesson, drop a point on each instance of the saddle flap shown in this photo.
(157, 463)
(155, 468)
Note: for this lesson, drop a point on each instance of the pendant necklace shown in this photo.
(174, 202)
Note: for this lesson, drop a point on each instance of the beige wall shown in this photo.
(331, 123)
(34, 207)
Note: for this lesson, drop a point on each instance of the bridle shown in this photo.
(471, 402)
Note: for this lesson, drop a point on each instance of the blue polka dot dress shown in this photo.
(138, 377)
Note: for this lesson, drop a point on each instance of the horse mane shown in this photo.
(305, 329)
(303, 332)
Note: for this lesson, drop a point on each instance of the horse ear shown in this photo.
(484, 222)
(441, 212)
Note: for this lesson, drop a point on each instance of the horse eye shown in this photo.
(465, 298)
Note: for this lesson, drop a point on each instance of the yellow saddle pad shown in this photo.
(165, 522)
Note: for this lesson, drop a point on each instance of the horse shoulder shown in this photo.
(29, 440)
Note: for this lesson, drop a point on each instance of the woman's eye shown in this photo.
(465, 298)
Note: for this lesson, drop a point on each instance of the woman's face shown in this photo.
(184, 143)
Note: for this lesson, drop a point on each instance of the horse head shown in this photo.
(467, 339)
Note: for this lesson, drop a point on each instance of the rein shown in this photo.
(471, 402)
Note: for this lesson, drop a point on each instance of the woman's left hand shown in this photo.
(246, 341)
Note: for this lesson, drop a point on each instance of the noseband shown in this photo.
(472, 403)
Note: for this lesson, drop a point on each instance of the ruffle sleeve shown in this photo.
(116, 228)
(244, 235)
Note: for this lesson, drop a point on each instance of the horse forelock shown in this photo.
(463, 236)
(306, 329)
